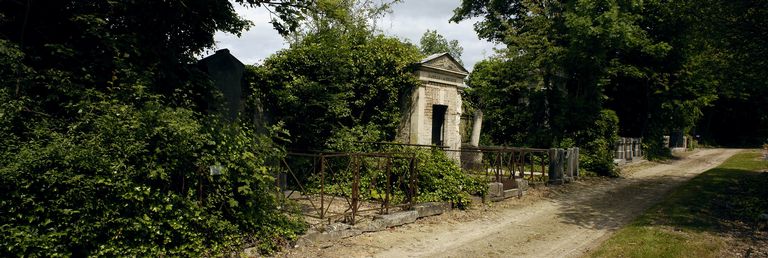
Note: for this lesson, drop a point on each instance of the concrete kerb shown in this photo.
(338, 231)
(497, 193)
(431, 208)
(315, 236)
(380, 222)
(495, 190)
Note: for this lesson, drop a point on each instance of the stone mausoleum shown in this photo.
(436, 105)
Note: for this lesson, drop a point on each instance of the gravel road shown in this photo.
(565, 221)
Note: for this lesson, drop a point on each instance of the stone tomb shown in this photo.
(436, 105)
(226, 72)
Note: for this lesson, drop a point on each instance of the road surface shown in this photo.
(564, 221)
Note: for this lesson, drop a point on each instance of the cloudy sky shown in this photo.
(409, 20)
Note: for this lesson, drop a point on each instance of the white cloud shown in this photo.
(257, 43)
(409, 20)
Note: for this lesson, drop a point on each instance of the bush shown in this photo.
(654, 147)
(134, 180)
(597, 144)
(337, 84)
(441, 179)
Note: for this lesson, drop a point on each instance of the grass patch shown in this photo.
(690, 222)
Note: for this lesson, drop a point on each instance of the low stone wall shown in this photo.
(496, 192)
(628, 149)
(379, 222)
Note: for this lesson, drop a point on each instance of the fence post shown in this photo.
(552, 164)
(618, 149)
(626, 143)
(355, 189)
(573, 162)
(568, 173)
(576, 161)
(556, 165)
(322, 186)
(281, 181)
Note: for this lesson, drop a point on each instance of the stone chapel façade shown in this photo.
(436, 105)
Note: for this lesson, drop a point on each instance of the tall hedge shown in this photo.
(87, 171)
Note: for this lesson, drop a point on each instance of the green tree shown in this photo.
(338, 85)
(107, 152)
(663, 66)
(342, 15)
(342, 83)
(510, 99)
(101, 44)
(433, 43)
(735, 35)
(572, 47)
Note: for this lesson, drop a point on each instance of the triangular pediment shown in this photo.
(444, 61)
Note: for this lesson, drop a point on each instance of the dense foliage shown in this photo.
(736, 33)
(333, 87)
(129, 179)
(441, 179)
(110, 147)
(662, 66)
(342, 83)
(509, 99)
(597, 144)
(388, 169)
(433, 43)
(559, 55)
(106, 141)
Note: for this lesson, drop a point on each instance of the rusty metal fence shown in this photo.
(340, 186)
(504, 164)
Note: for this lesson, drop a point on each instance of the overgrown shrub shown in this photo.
(105, 146)
(597, 144)
(654, 147)
(133, 180)
(335, 84)
(441, 179)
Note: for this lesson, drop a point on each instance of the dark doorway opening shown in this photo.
(438, 124)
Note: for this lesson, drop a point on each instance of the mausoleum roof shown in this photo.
(438, 61)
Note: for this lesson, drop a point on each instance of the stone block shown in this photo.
(397, 218)
(371, 226)
(431, 208)
(336, 227)
(381, 222)
(330, 235)
(513, 193)
(521, 184)
(495, 190)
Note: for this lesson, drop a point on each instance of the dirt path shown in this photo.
(566, 223)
